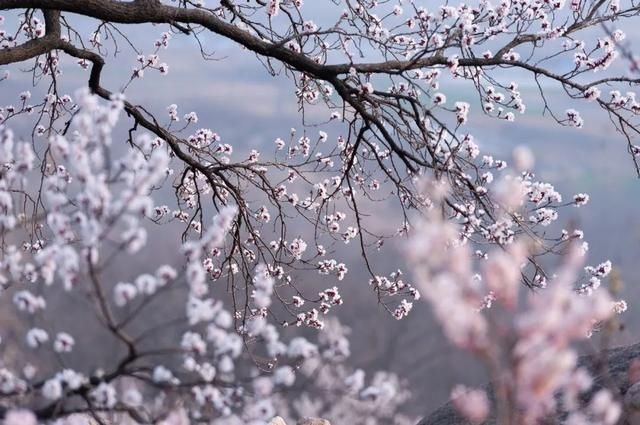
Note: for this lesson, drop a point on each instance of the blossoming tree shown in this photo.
(75, 201)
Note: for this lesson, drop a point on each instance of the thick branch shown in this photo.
(149, 11)
(136, 12)
(36, 47)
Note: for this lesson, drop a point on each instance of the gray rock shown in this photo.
(304, 421)
(313, 421)
(617, 366)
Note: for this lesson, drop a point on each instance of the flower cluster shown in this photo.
(92, 202)
(527, 346)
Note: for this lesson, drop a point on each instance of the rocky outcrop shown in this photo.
(304, 421)
(617, 360)
(313, 421)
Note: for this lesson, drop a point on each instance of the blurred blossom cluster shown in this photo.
(527, 342)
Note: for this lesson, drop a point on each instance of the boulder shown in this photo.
(618, 361)
(313, 421)
(304, 421)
